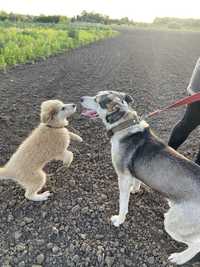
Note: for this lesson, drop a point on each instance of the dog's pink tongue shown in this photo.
(89, 113)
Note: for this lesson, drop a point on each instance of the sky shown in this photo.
(138, 10)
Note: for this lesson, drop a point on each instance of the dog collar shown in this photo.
(122, 126)
(55, 127)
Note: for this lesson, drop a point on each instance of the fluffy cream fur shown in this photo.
(48, 141)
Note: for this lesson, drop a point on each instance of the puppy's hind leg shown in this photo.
(68, 158)
(34, 184)
(125, 183)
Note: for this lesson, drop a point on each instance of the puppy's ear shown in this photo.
(128, 99)
(48, 116)
(47, 112)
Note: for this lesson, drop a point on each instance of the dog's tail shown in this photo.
(4, 173)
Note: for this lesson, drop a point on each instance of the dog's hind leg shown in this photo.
(186, 255)
(182, 224)
(33, 185)
(125, 183)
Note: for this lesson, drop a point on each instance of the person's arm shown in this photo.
(194, 84)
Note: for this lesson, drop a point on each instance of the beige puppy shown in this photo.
(48, 141)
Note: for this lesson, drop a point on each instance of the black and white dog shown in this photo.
(139, 156)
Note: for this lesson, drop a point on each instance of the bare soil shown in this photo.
(73, 227)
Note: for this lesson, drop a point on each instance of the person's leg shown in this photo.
(197, 161)
(191, 118)
(184, 127)
(194, 87)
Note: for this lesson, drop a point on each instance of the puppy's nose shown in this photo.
(73, 105)
(82, 99)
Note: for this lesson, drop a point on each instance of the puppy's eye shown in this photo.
(63, 108)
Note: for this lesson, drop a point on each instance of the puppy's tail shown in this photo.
(4, 173)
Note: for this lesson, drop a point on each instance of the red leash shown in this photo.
(178, 103)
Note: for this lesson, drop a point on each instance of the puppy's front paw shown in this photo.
(80, 139)
(117, 220)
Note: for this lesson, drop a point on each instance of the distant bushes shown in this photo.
(27, 38)
(19, 45)
(177, 23)
(15, 17)
(90, 17)
(51, 19)
(164, 23)
(97, 18)
(27, 18)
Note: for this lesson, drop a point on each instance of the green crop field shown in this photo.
(32, 41)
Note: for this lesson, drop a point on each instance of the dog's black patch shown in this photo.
(105, 100)
(128, 99)
(142, 149)
(115, 116)
(141, 144)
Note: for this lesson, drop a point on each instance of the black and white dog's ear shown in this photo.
(128, 99)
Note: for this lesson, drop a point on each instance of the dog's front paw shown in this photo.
(80, 139)
(177, 258)
(135, 187)
(117, 220)
(134, 190)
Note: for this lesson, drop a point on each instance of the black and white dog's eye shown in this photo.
(63, 108)
(128, 99)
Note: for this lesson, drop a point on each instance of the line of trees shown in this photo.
(90, 17)
(29, 18)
